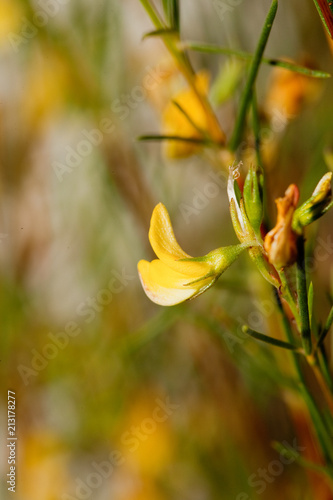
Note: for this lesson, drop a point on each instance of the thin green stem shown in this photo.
(270, 340)
(320, 426)
(184, 65)
(210, 48)
(256, 129)
(153, 15)
(288, 297)
(324, 8)
(317, 419)
(253, 71)
(326, 329)
(321, 359)
(286, 451)
(303, 297)
(313, 361)
(290, 337)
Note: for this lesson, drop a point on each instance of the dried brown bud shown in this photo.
(280, 242)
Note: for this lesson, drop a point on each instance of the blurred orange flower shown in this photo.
(280, 242)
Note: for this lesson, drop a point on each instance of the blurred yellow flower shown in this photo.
(147, 443)
(176, 276)
(46, 88)
(185, 116)
(44, 466)
(10, 19)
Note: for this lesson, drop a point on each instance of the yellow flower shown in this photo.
(187, 117)
(45, 89)
(176, 276)
(10, 20)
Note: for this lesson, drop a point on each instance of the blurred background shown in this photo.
(116, 397)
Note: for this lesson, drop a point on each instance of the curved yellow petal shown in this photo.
(166, 247)
(163, 285)
(162, 237)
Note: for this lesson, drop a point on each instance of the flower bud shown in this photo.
(244, 230)
(253, 196)
(281, 242)
(316, 206)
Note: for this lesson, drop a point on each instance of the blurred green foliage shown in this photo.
(88, 356)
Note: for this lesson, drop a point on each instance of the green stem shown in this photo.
(326, 329)
(288, 297)
(153, 15)
(320, 426)
(185, 67)
(325, 11)
(256, 129)
(290, 338)
(285, 451)
(254, 68)
(270, 340)
(317, 419)
(303, 297)
(210, 48)
(313, 362)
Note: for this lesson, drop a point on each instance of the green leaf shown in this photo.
(310, 302)
(216, 49)
(226, 81)
(326, 328)
(290, 453)
(172, 138)
(161, 32)
(270, 340)
(187, 116)
(238, 192)
(321, 430)
(297, 69)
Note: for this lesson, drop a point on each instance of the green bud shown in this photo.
(227, 81)
(253, 196)
(316, 206)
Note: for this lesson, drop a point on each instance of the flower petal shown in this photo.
(163, 285)
(166, 247)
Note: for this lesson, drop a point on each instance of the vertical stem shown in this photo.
(324, 8)
(290, 338)
(253, 71)
(322, 383)
(256, 129)
(317, 419)
(303, 297)
(185, 67)
(287, 295)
